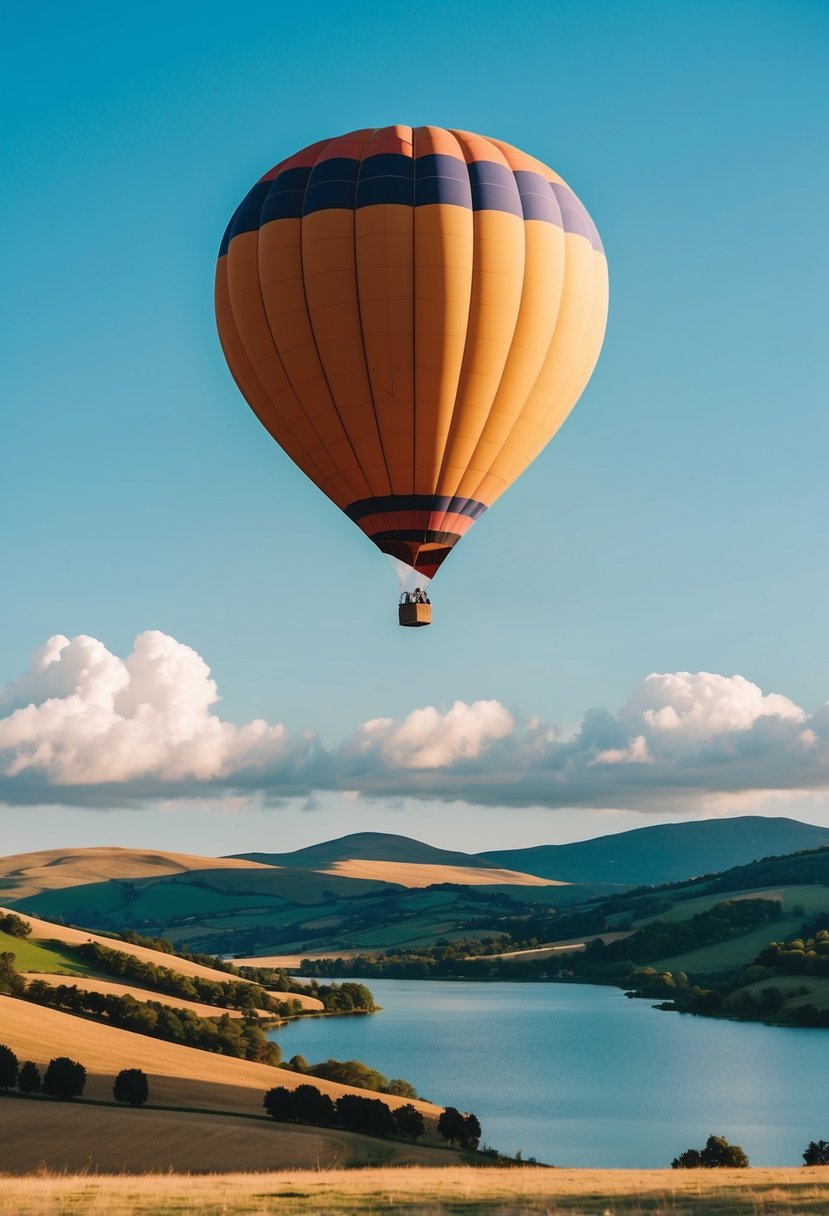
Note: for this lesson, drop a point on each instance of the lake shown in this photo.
(575, 1074)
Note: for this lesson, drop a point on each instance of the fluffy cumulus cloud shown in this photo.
(84, 726)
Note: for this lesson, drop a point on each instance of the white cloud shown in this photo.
(86, 727)
(430, 739)
(699, 706)
(82, 716)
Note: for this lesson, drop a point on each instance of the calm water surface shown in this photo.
(579, 1075)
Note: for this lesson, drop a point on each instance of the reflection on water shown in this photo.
(579, 1075)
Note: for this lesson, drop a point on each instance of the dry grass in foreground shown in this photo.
(425, 1192)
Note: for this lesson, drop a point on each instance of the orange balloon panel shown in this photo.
(412, 313)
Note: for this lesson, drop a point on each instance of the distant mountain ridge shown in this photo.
(665, 852)
(368, 846)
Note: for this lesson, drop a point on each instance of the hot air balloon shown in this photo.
(411, 312)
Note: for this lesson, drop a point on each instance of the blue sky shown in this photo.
(675, 524)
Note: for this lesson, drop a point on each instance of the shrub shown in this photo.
(717, 1154)
(817, 1153)
(8, 1068)
(131, 1086)
(64, 1079)
(28, 1080)
(15, 926)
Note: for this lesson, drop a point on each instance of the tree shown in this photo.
(691, 1159)
(14, 925)
(451, 1125)
(28, 1079)
(817, 1153)
(408, 1122)
(8, 1068)
(64, 1079)
(471, 1136)
(279, 1103)
(313, 1107)
(10, 981)
(717, 1154)
(400, 1088)
(131, 1086)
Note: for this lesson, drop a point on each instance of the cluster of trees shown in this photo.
(461, 1127)
(355, 1074)
(307, 1104)
(717, 1154)
(799, 956)
(228, 994)
(239, 1037)
(14, 925)
(65, 1079)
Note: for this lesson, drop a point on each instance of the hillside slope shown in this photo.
(178, 1076)
(26, 874)
(367, 846)
(665, 852)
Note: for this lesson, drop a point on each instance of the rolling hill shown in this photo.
(665, 852)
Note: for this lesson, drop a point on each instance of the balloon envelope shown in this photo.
(412, 313)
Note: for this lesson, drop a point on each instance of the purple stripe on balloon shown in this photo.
(575, 215)
(537, 199)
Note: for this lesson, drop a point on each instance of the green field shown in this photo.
(811, 898)
(818, 994)
(50, 957)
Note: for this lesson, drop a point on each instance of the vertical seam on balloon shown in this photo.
(414, 308)
(360, 319)
(519, 415)
(448, 491)
(535, 382)
(455, 135)
(276, 348)
(253, 370)
(311, 323)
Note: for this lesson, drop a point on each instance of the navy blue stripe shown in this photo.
(421, 538)
(387, 178)
(494, 188)
(284, 200)
(415, 502)
(246, 216)
(442, 179)
(332, 184)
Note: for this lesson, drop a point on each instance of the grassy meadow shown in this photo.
(416, 1191)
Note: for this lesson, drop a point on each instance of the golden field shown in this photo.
(424, 874)
(417, 1191)
(26, 874)
(178, 1076)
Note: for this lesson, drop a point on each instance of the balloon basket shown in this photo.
(414, 615)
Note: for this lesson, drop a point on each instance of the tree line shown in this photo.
(65, 1079)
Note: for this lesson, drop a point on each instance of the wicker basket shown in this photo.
(414, 615)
